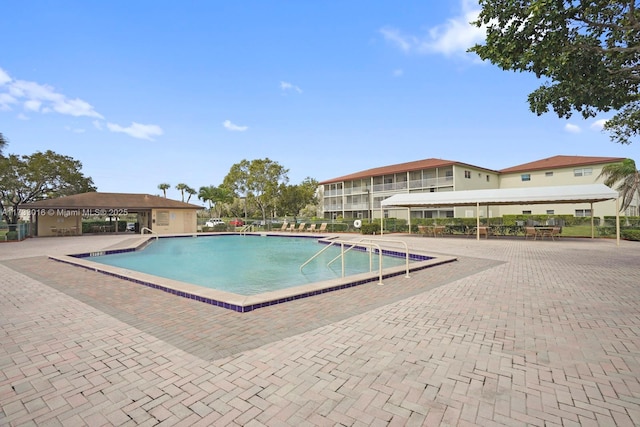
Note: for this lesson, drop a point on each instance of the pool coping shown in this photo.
(236, 302)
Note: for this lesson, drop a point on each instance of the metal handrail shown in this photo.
(243, 230)
(406, 249)
(150, 231)
(342, 252)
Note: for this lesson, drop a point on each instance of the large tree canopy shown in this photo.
(293, 198)
(25, 179)
(257, 180)
(589, 52)
(3, 143)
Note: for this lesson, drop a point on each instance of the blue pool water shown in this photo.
(244, 265)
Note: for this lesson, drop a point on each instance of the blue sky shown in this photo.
(144, 92)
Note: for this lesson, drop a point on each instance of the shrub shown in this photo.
(372, 228)
(630, 234)
(12, 235)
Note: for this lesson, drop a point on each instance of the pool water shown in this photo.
(244, 265)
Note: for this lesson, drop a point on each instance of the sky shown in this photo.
(148, 92)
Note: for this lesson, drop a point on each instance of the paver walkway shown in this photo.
(514, 333)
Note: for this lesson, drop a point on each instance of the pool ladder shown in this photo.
(370, 244)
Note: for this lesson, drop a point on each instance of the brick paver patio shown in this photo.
(514, 333)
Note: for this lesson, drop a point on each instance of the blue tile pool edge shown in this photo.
(423, 262)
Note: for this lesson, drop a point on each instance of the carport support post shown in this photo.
(617, 222)
(593, 233)
(409, 219)
(477, 220)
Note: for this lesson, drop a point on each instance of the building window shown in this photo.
(526, 212)
(525, 177)
(582, 172)
(583, 212)
(467, 174)
(448, 175)
(488, 178)
(550, 211)
(548, 174)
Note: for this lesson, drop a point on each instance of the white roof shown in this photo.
(505, 196)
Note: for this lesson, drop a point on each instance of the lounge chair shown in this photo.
(438, 229)
(284, 226)
(530, 232)
(312, 227)
(300, 227)
(292, 227)
(484, 231)
(323, 227)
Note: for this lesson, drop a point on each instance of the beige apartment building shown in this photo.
(358, 195)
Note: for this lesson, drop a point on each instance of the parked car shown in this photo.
(213, 222)
(236, 222)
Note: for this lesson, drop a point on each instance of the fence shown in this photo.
(17, 231)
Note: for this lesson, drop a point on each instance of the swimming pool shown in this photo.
(192, 248)
(244, 265)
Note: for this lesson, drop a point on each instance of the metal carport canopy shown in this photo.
(590, 193)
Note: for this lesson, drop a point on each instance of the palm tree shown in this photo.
(206, 194)
(181, 187)
(628, 177)
(164, 187)
(190, 191)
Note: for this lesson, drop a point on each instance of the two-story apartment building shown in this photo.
(557, 171)
(358, 195)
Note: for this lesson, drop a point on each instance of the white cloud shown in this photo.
(572, 128)
(32, 105)
(285, 86)
(230, 126)
(453, 37)
(75, 130)
(137, 130)
(4, 77)
(42, 98)
(5, 101)
(598, 124)
(48, 100)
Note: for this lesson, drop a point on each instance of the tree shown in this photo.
(588, 50)
(182, 187)
(293, 198)
(258, 181)
(628, 177)
(190, 191)
(29, 178)
(3, 143)
(216, 196)
(164, 187)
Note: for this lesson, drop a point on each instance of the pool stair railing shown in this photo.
(246, 229)
(366, 244)
(142, 230)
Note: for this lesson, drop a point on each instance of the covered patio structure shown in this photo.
(591, 193)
